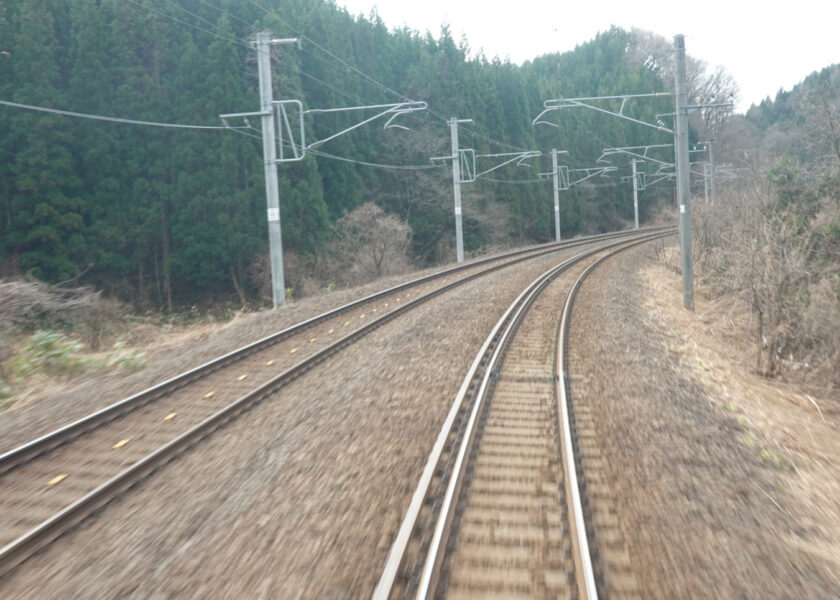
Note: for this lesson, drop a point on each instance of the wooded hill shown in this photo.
(803, 122)
(166, 216)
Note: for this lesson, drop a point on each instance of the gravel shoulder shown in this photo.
(724, 481)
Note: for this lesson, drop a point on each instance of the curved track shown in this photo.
(498, 511)
(55, 481)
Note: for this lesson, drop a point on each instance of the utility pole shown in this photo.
(556, 173)
(276, 119)
(275, 240)
(456, 185)
(706, 181)
(471, 174)
(682, 169)
(635, 195)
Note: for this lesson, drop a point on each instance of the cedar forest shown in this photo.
(164, 217)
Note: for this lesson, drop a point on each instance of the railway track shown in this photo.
(50, 484)
(498, 511)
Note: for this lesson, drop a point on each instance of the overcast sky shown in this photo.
(764, 45)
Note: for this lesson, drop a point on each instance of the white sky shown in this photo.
(764, 45)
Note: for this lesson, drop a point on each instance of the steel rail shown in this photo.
(574, 505)
(21, 548)
(495, 343)
(25, 452)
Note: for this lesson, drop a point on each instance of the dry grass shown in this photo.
(52, 337)
(33, 307)
(29, 305)
(795, 430)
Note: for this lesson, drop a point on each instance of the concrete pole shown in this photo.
(635, 195)
(554, 170)
(456, 185)
(682, 158)
(275, 240)
(706, 181)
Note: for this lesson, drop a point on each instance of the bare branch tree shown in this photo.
(821, 108)
(369, 243)
(656, 53)
(778, 262)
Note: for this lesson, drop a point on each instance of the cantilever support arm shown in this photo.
(640, 152)
(659, 176)
(559, 103)
(512, 157)
(590, 172)
(394, 110)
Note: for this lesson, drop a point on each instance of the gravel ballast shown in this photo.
(705, 514)
(301, 496)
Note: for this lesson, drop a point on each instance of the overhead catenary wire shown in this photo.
(199, 17)
(472, 131)
(598, 185)
(237, 130)
(126, 121)
(229, 14)
(323, 154)
(355, 97)
(235, 41)
(513, 181)
(68, 113)
(303, 73)
(188, 24)
(330, 54)
(370, 79)
(246, 134)
(346, 95)
(376, 165)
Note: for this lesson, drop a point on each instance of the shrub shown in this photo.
(771, 245)
(369, 243)
(30, 305)
(127, 358)
(50, 353)
(54, 355)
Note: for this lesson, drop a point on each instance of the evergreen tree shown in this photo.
(46, 221)
(166, 216)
